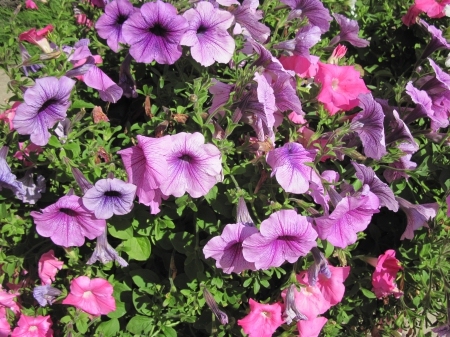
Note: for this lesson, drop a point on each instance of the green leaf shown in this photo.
(180, 240)
(79, 104)
(54, 141)
(169, 331)
(137, 248)
(143, 278)
(140, 324)
(109, 328)
(367, 293)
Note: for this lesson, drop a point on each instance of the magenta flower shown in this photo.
(29, 4)
(349, 32)
(38, 38)
(104, 253)
(311, 328)
(332, 288)
(46, 103)
(48, 266)
(284, 236)
(28, 326)
(109, 25)
(410, 18)
(45, 295)
(314, 10)
(67, 222)
(383, 278)
(192, 166)
(433, 8)
(7, 179)
(155, 32)
(207, 34)
(417, 216)
(92, 296)
(7, 301)
(5, 328)
(288, 166)
(263, 319)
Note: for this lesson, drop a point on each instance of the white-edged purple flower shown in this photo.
(7, 179)
(32, 189)
(368, 124)
(109, 197)
(109, 25)
(192, 166)
(46, 103)
(45, 295)
(417, 216)
(226, 249)
(288, 166)
(104, 253)
(305, 38)
(67, 222)
(349, 32)
(320, 266)
(437, 40)
(314, 10)
(207, 34)
(154, 33)
(284, 236)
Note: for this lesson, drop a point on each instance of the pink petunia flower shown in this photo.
(38, 38)
(92, 296)
(310, 299)
(263, 319)
(5, 328)
(29, 326)
(7, 301)
(383, 278)
(301, 65)
(48, 266)
(83, 20)
(341, 86)
(30, 4)
(410, 17)
(433, 8)
(9, 114)
(311, 328)
(25, 152)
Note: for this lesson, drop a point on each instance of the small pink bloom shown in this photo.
(83, 20)
(30, 4)
(9, 114)
(38, 38)
(263, 319)
(48, 266)
(29, 326)
(25, 152)
(92, 296)
(383, 278)
(311, 328)
(337, 54)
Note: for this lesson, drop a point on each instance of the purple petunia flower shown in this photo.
(291, 312)
(155, 32)
(226, 249)
(45, 295)
(212, 304)
(104, 253)
(221, 92)
(423, 104)
(320, 266)
(400, 133)
(286, 97)
(404, 163)
(368, 124)
(417, 216)
(207, 34)
(247, 17)
(288, 166)
(437, 40)
(67, 222)
(109, 197)
(314, 10)
(284, 236)
(97, 79)
(32, 189)
(192, 166)
(109, 25)
(7, 179)
(306, 37)
(46, 103)
(349, 32)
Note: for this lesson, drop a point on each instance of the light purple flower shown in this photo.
(306, 37)
(126, 80)
(368, 177)
(7, 179)
(350, 216)
(67, 222)
(192, 166)
(147, 168)
(32, 189)
(247, 17)
(45, 295)
(404, 163)
(417, 216)
(242, 215)
(423, 104)
(46, 103)
(109, 197)
(104, 253)
(291, 312)
(320, 266)
(109, 25)
(284, 236)
(221, 94)
(399, 132)
(349, 32)
(226, 249)
(368, 124)
(437, 40)
(314, 10)
(288, 166)
(97, 79)
(207, 34)
(155, 32)
(286, 97)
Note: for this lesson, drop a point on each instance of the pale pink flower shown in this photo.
(263, 319)
(383, 278)
(92, 296)
(29, 326)
(48, 266)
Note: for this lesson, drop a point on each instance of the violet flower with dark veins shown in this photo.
(349, 32)
(437, 40)
(247, 17)
(314, 10)
(45, 295)
(105, 253)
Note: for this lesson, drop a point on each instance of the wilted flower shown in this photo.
(38, 38)
(349, 32)
(291, 312)
(31, 188)
(212, 304)
(33, 327)
(126, 80)
(104, 253)
(314, 10)
(45, 295)
(242, 215)
(383, 278)
(25, 57)
(263, 319)
(92, 296)
(320, 266)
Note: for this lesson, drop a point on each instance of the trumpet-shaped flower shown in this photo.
(155, 32)
(67, 222)
(284, 236)
(104, 253)
(92, 296)
(383, 278)
(29, 326)
(207, 34)
(46, 103)
(437, 40)
(291, 312)
(263, 319)
(48, 266)
(305, 39)
(38, 38)
(314, 10)
(320, 266)
(7, 301)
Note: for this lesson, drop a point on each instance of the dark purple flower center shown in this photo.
(158, 30)
(202, 29)
(186, 158)
(68, 211)
(47, 104)
(112, 194)
(121, 19)
(287, 238)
